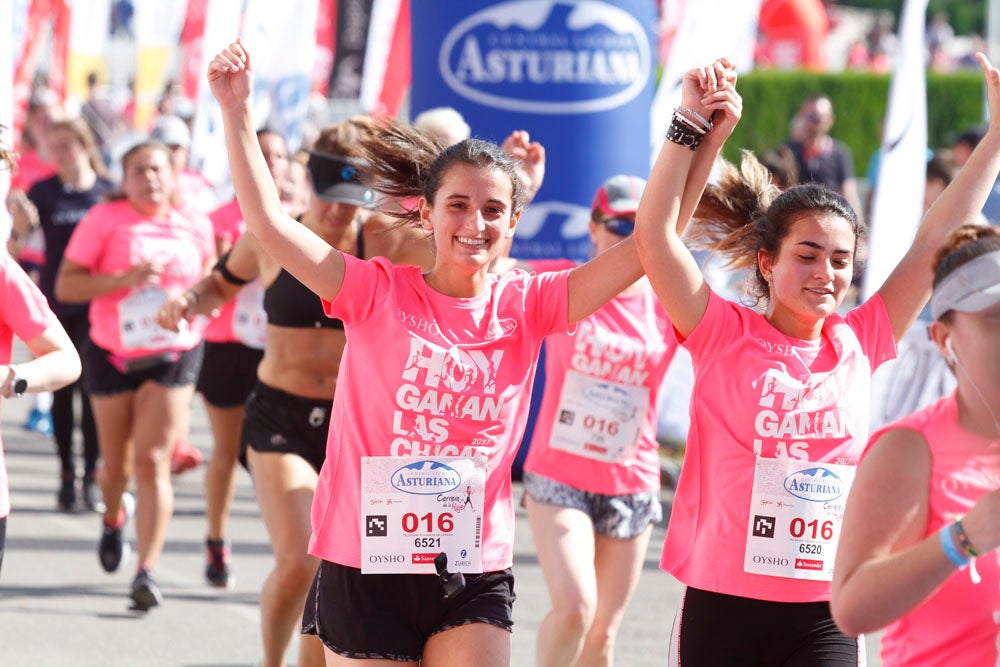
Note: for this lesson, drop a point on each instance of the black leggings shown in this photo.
(714, 629)
(3, 538)
(63, 419)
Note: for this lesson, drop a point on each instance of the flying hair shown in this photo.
(724, 220)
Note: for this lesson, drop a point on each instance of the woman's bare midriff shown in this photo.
(303, 362)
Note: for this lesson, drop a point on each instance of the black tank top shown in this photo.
(289, 303)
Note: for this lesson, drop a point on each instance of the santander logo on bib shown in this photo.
(547, 56)
(818, 485)
(425, 478)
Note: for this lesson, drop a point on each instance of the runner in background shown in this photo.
(57, 204)
(127, 257)
(592, 473)
(922, 525)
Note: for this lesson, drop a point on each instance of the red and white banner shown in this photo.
(386, 74)
(192, 34)
(32, 22)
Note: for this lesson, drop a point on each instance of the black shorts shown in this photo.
(101, 377)
(391, 616)
(713, 629)
(228, 373)
(276, 421)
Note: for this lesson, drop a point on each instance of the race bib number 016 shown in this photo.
(796, 512)
(414, 508)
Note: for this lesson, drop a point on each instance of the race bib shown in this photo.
(414, 508)
(249, 318)
(599, 419)
(796, 513)
(137, 320)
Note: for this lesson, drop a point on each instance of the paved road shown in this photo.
(57, 607)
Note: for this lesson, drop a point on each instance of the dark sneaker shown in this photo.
(66, 500)
(112, 550)
(145, 593)
(217, 570)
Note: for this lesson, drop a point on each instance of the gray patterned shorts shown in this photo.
(618, 517)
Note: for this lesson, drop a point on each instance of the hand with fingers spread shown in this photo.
(230, 76)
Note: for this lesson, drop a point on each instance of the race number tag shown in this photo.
(796, 512)
(413, 508)
(137, 320)
(599, 419)
(249, 318)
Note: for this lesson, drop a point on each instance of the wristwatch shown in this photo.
(19, 385)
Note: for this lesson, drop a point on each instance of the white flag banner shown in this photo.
(281, 38)
(898, 201)
(706, 31)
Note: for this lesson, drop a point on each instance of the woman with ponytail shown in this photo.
(779, 408)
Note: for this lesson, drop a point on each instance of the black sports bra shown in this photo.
(289, 303)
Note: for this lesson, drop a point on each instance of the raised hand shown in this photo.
(531, 155)
(992, 76)
(230, 76)
(710, 91)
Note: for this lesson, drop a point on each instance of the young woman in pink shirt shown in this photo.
(779, 409)
(127, 257)
(918, 548)
(432, 396)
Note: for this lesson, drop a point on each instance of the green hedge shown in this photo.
(771, 98)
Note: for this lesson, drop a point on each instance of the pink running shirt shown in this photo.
(757, 389)
(960, 623)
(625, 344)
(115, 237)
(414, 354)
(25, 314)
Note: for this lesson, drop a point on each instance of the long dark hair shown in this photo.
(403, 162)
(745, 213)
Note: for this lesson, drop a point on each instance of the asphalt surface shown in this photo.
(58, 607)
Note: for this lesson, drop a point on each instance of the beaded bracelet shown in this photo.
(963, 540)
(950, 550)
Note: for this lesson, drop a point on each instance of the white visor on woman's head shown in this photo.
(972, 287)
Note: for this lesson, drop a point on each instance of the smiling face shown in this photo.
(810, 276)
(471, 218)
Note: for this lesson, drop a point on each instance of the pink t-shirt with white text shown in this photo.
(412, 354)
(115, 237)
(759, 392)
(24, 312)
(958, 624)
(625, 344)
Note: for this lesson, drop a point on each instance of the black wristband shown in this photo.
(679, 134)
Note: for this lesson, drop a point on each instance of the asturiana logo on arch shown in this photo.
(548, 56)
(426, 478)
(817, 484)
